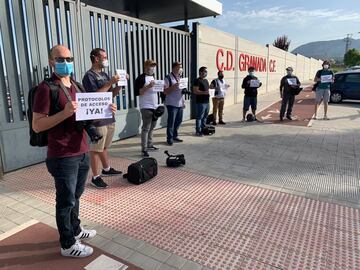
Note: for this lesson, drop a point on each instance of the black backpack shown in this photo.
(41, 139)
(174, 160)
(209, 130)
(142, 171)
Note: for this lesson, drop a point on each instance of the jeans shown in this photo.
(175, 116)
(287, 100)
(202, 111)
(218, 106)
(147, 128)
(70, 175)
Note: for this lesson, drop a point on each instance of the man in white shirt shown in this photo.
(148, 103)
(220, 87)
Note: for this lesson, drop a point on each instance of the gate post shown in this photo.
(1, 166)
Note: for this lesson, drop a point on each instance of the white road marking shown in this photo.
(266, 117)
(275, 111)
(299, 101)
(104, 262)
(18, 229)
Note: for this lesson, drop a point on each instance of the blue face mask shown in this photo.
(64, 69)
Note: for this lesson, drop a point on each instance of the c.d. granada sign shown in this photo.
(225, 61)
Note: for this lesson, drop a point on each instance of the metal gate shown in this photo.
(29, 28)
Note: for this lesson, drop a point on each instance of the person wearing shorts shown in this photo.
(323, 88)
(96, 80)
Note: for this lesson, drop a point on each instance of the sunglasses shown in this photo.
(63, 59)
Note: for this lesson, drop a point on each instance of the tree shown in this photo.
(352, 58)
(282, 42)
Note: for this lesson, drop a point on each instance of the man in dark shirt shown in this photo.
(96, 80)
(287, 85)
(201, 91)
(251, 85)
(67, 157)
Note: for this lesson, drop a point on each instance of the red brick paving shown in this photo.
(219, 224)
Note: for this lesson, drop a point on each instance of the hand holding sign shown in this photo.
(122, 77)
(158, 86)
(292, 81)
(212, 93)
(183, 83)
(70, 108)
(92, 106)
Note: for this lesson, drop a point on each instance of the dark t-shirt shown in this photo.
(203, 85)
(63, 140)
(284, 84)
(250, 91)
(93, 81)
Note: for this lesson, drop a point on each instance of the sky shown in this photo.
(302, 21)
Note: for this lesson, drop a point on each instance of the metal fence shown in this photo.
(29, 28)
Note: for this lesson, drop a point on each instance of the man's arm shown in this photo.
(196, 91)
(168, 90)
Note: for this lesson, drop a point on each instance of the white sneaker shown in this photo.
(85, 234)
(77, 250)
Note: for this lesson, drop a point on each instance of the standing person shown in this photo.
(148, 103)
(67, 156)
(96, 80)
(220, 87)
(323, 88)
(201, 91)
(174, 102)
(287, 84)
(251, 92)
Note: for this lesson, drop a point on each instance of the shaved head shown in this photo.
(58, 51)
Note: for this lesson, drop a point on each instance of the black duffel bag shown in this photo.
(296, 91)
(208, 130)
(142, 171)
(174, 160)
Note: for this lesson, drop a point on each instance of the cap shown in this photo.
(150, 63)
(289, 69)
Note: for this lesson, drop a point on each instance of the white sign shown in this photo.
(326, 78)
(159, 86)
(94, 106)
(183, 83)
(123, 74)
(255, 83)
(212, 93)
(292, 81)
(224, 88)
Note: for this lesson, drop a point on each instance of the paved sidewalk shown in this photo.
(253, 196)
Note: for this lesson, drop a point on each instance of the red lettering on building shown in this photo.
(220, 62)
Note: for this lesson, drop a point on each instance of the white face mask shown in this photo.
(252, 74)
(181, 71)
(326, 66)
(151, 70)
(105, 63)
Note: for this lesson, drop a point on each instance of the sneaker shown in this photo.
(281, 119)
(222, 123)
(153, 148)
(145, 154)
(214, 123)
(314, 118)
(85, 234)
(98, 182)
(326, 118)
(77, 250)
(178, 140)
(169, 143)
(110, 172)
(199, 134)
(289, 117)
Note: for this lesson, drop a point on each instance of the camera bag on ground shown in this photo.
(142, 171)
(174, 160)
(209, 130)
(210, 119)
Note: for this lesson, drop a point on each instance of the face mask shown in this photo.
(289, 73)
(105, 63)
(64, 69)
(221, 77)
(151, 70)
(326, 66)
(252, 74)
(181, 71)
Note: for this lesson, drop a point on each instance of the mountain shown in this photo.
(332, 49)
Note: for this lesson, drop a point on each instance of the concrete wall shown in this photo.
(219, 50)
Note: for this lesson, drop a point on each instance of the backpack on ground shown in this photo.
(174, 161)
(210, 119)
(41, 139)
(209, 130)
(142, 171)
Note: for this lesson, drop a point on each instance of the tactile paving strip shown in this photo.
(219, 224)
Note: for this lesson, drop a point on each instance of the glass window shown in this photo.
(353, 78)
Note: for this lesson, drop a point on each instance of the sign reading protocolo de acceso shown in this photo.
(93, 106)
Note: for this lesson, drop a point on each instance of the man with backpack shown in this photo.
(251, 85)
(220, 87)
(201, 92)
(324, 78)
(287, 85)
(96, 80)
(53, 112)
(175, 103)
(148, 103)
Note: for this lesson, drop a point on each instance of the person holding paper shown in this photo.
(174, 102)
(220, 87)
(287, 84)
(201, 90)
(97, 80)
(251, 85)
(148, 103)
(67, 156)
(324, 78)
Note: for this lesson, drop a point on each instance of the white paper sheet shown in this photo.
(122, 73)
(255, 83)
(183, 83)
(93, 106)
(292, 81)
(159, 86)
(326, 79)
